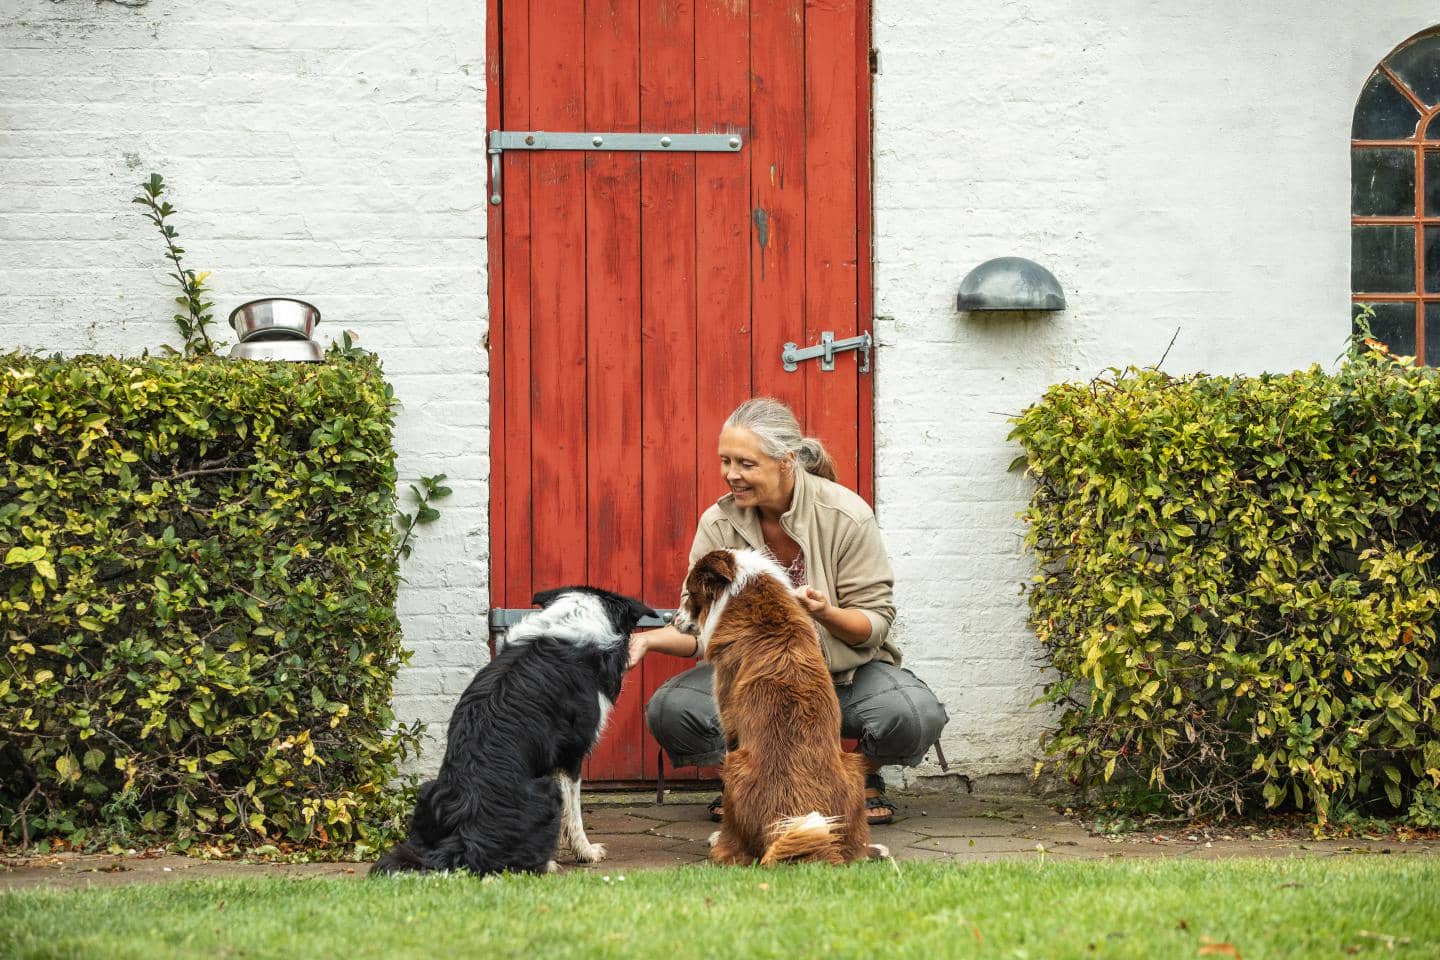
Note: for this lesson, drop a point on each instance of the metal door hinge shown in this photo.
(826, 350)
(502, 140)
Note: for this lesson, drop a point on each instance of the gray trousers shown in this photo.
(888, 709)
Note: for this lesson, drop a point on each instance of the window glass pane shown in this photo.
(1432, 260)
(1382, 113)
(1382, 182)
(1418, 65)
(1432, 182)
(1432, 132)
(1432, 326)
(1382, 259)
(1394, 326)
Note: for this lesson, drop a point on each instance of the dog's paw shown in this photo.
(590, 853)
(552, 867)
(878, 851)
(714, 838)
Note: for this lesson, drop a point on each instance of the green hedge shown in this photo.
(1238, 583)
(197, 601)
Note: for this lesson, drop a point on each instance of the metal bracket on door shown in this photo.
(502, 140)
(826, 350)
(503, 618)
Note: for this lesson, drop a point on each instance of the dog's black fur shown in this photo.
(526, 721)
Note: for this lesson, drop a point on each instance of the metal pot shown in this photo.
(295, 351)
(274, 318)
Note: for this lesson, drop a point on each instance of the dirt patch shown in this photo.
(78, 871)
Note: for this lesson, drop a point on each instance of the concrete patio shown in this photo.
(641, 835)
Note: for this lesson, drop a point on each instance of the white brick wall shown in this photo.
(1175, 167)
(331, 150)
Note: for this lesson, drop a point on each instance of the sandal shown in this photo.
(879, 802)
(716, 808)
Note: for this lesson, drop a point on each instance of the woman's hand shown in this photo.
(639, 645)
(846, 625)
(814, 602)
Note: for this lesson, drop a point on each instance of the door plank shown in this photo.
(495, 328)
(612, 333)
(722, 227)
(557, 399)
(722, 254)
(777, 189)
(667, 230)
(830, 246)
(519, 496)
(864, 275)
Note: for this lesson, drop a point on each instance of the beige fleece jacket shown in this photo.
(844, 558)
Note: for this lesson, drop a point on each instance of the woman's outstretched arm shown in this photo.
(666, 639)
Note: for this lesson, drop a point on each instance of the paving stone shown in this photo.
(610, 820)
(630, 852)
(971, 846)
(699, 829)
(894, 836)
(642, 835)
(966, 827)
(699, 848)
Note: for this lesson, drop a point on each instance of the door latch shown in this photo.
(826, 350)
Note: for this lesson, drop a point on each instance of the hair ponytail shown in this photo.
(813, 456)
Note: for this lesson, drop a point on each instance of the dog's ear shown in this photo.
(546, 597)
(715, 571)
(639, 610)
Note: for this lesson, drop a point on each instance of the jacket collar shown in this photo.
(747, 519)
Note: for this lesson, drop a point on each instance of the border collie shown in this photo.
(508, 793)
(791, 793)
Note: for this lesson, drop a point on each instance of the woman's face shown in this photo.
(755, 478)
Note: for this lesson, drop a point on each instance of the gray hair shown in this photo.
(775, 426)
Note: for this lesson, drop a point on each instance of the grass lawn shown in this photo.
(1337, 907)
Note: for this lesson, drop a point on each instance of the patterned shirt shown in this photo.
(796, 570)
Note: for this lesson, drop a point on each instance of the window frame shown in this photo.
(1419, 221)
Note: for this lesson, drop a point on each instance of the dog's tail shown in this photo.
(401, 858)
(809, 838)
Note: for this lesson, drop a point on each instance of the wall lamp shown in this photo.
(1010, 283)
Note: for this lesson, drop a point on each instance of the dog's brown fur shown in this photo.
(782, 725)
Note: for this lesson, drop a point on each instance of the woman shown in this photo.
(783, 498)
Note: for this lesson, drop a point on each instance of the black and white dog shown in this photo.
(508, 793)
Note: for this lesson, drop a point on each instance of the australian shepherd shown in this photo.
(791, 793)
(508, 793)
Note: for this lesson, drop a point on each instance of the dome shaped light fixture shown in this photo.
(1010, 283)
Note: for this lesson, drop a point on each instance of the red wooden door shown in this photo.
(636, 298)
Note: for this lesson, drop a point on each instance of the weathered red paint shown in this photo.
(637, 298)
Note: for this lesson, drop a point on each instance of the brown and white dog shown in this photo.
(791, 793)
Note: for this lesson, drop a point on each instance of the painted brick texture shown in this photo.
(1177, 168)
(331, 150)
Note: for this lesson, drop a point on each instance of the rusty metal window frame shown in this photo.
(1417, 143)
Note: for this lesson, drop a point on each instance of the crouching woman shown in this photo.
(784, 500)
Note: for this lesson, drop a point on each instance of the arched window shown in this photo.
(1395, 197)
